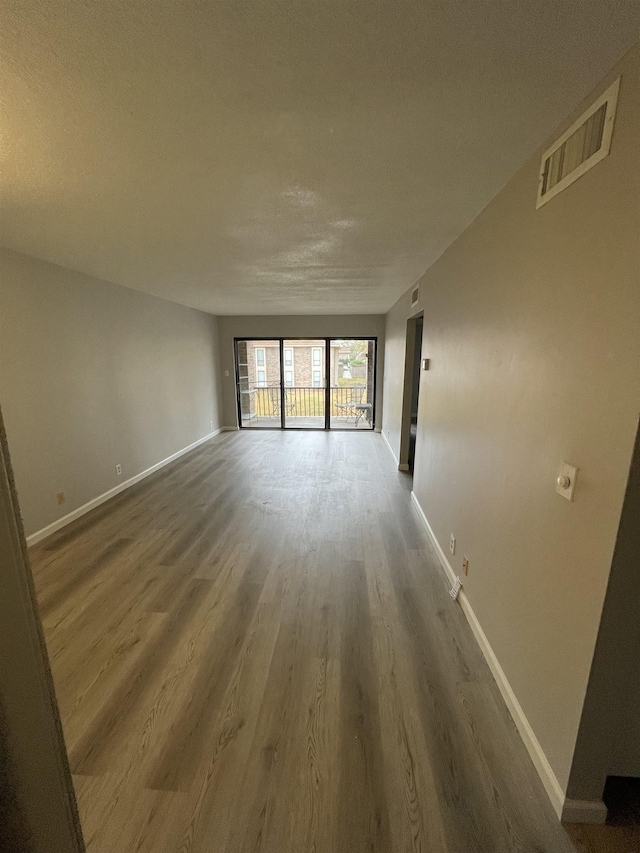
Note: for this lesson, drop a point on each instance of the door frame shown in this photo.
(407, 392)
(327, 390)
(43, 806)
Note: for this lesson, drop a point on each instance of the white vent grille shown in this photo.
(415, 296)
(583, 145)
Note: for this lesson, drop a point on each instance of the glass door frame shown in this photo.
(327, 385)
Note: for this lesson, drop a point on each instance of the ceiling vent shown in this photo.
(582, 146)
(415, 296)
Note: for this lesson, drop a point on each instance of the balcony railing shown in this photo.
(348, 402)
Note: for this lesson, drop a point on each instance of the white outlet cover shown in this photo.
(571, 473)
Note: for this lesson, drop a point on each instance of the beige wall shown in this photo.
(93, 375)
(294, 326)
(531, 325)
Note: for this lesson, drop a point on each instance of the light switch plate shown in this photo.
(569, 472)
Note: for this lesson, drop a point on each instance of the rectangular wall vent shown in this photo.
(415, 296)
(583, 145)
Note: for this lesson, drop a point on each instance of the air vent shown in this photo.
(415, 296)
(582, 146)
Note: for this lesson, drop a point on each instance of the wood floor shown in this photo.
(254, 650)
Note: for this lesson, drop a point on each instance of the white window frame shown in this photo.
(315, 350)
(289, 368)
(317, 384)
(288, 372)
(261, 368)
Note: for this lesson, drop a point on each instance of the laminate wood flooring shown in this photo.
(254, 650)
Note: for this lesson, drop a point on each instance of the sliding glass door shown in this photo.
(258, 383)
(306, 383)
(353, 367)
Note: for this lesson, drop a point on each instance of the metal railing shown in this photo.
(307, 402)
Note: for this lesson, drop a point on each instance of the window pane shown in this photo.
(316, 378)
(258, 383)
(316, 358)
(352, 383)
(288, 377)
(288, 357)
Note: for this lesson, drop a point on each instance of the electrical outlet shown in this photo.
(60, 498)
(452, 544)
(465, 565)
(118, 470)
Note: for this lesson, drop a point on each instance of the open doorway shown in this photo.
(413, 357)
(415, 391)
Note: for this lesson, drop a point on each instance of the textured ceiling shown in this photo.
(278, 156)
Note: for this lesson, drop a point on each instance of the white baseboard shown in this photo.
(402, 466)
(92, 504)
(540, 761)
(446, 565)
(391, 451)
(584, 811)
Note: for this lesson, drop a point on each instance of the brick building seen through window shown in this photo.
(303, 364)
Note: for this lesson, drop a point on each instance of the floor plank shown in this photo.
(254, 650)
